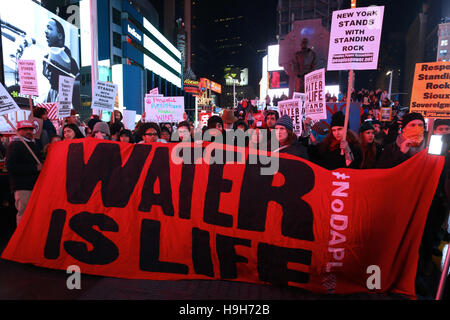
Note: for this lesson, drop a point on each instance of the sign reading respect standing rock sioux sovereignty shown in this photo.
(355, 38)
(431, 90)
(164, 109)
(139, 211)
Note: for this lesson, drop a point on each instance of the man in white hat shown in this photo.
(23, 170)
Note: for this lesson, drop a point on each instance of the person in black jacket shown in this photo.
(407, 144)
(287, 139)
(23, 170)
(328, 154)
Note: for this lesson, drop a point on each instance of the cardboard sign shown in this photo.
(431, 90)
(129, 119)
(7, 103)
(65, 96)
(164, 109)
(138, 211)
(294, 108)
(316, 103)
(104, 96)
(27, 77)
(355, 38)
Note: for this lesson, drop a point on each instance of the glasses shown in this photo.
(150, 134)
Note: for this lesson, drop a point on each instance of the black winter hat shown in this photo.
(337, 120)
(410, 117)
(286, 122)
(366, 125)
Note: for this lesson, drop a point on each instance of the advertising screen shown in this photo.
(30, 32)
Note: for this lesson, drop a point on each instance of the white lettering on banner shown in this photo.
(338, 224)
(355, 38)
(134, 33)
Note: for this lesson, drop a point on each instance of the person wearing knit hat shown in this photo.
(287, 139)
(370, 150)
(407, 144)
(328, 154)
(101, 131)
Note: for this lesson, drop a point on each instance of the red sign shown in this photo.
(136, 211)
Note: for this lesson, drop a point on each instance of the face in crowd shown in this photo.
(68, 133)
(150, 135)
(338, 132)
(184, 133)
(124, 138)
(442, 129)
(271, 120)
(368, 136)
(26, 133)
(281, 133)
(165, 134)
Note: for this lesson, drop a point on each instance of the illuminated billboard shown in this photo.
(30, 32)
(234, 73)
(208, 84)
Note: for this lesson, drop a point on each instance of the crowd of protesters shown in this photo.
(376, 145)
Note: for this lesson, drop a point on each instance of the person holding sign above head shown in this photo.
(287, 139)
(334, 152)
(407, 144)
(23, 169)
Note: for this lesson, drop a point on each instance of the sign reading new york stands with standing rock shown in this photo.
(355, 38)
(104, 96)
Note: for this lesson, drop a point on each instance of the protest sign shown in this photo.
(7, 103)
(154, 91)
(431, 90)
(164, 109)
(65, 96)
(355, 38)
(132, 211)
(104, 96)
(27, 77)
(129, 119)
(294, 108)
(315, 104)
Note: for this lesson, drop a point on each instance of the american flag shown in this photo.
(52, 109)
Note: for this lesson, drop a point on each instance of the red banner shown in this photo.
(138, 211)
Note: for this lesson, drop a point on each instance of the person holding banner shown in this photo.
(23, 170)
(328, 154)
(407, 144)
(287, 139)
(126, 136)
(369, 148)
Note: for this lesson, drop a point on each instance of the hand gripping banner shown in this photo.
(136, 211)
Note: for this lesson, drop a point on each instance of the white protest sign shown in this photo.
(7, 103)
(129, 119)
(293, 108)
(164, 109)
(104, 96)
(315, 104)
(28, 77)
(355, 38)
(65, 89)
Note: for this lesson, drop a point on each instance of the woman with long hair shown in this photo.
(370, 150)
(287, 139)
(334, 152)
(71, 131)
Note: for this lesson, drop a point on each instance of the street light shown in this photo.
(390, 82)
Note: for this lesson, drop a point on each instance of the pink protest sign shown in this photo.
(355, 38)
(164, 109)
(315, 103)
(28, 77)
